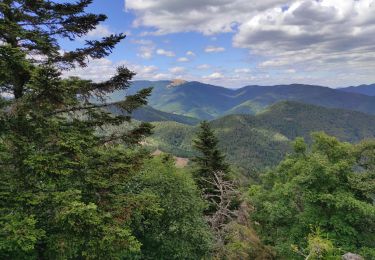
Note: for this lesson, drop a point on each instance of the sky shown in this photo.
(234, 43)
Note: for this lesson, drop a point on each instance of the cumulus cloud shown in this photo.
(190, 53)
(183, 59)
(146, 48)
(99, 31)
(165, 53)
(146, 52)
(203, 67)
(177, 70)
(162, 76)
(327, 31)
(242, 70)
(214, 49)
(102, 69)
(215, 75)
(6, 95)
(330, 36)
(206, 16)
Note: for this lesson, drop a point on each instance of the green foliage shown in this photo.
(210, 158)
(63, 187)
(21, 234)
(173, 226)
(318, 247)
(329, 187)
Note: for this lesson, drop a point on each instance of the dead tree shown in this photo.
(221, 197)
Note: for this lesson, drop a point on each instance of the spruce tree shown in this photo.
(62, 185)
(210, 159)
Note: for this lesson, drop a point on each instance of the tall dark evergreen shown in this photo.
(62, 184)
(210, 158)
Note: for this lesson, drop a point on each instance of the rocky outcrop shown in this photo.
(351, 256)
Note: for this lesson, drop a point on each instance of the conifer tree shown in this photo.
(62, 185)
(210, 158)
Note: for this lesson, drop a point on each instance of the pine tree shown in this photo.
(210, 158)
(62, 185)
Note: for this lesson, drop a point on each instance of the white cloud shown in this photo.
(203, 67)
(162, 76)
(206, 16)
(215, 75)
(145, 52)
(190, 53)
(183, 59)
(99, 32)
(177, 70)
(242, 70)
(102, 69)
(335, 37)
(146, 48)
(6, 95)
(214, 49)
(292, 71)
(314, 32)
(165, 53)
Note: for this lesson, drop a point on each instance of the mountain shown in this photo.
(368, 90)
(149, 114)
(193, 99)
(206, 101)
(255, 142)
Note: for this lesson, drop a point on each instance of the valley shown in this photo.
(257, 133)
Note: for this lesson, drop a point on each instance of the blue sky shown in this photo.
(235, 42)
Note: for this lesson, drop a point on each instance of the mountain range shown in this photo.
(255, 124)
(204, 101)
(253, 142)
(368, 90)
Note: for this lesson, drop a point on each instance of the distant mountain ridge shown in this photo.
(368, 90)
(205, 101)
(255, 142)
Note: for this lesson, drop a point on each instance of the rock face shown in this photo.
(176, 82)
(351, 256)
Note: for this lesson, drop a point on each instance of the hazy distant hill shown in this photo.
(149, 114)
(368, 90)
(254, 142)
(205, 101)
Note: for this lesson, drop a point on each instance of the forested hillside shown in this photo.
(254, 142)
(149, 114)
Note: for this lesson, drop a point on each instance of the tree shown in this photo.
(318, 247)
(173, 226)
(63, 186)
(330, 187)
(234, 236)
(210, 160)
